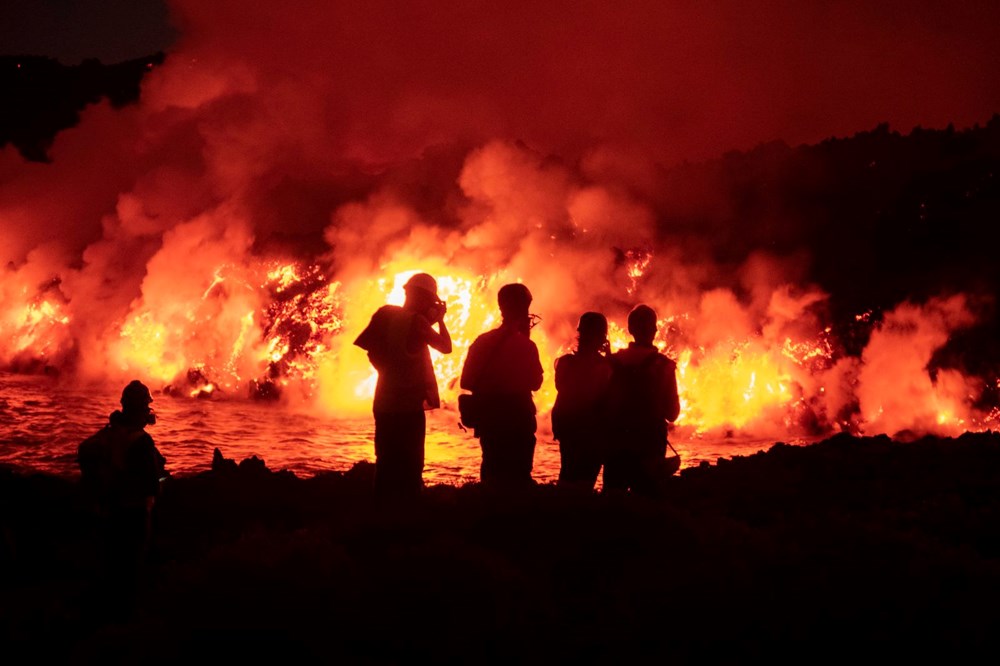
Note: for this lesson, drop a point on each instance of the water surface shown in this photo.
(42, 421)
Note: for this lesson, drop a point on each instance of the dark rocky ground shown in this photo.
(847, 549)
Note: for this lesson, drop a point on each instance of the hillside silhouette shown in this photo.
(883, 216)
(873, 220)
(41, 97)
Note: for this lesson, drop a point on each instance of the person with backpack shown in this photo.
(578, 417)
(121, 471)
(398, 340)
(642, 399)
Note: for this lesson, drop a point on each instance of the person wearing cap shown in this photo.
(642, 399)
(398, 340)
(121, 470)
(503, 369)
(579, 415)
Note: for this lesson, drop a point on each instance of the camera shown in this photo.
(436, 310)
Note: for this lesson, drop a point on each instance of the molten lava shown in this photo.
(284, 329)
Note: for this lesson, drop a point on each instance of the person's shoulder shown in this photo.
(486, 337)
(516, 337)
(622, 356)
(525, 345)
(387, 311)
(666, 362)
(481, 339)
(142, 445)
(566, 360)
(95, 440)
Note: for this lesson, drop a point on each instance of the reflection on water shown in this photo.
(42, 422)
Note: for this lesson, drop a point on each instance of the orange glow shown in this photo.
(285, 329)
(636, 262)
(35, 320)
(347, 380)
(35, 326)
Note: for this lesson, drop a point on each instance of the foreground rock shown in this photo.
(847, 547)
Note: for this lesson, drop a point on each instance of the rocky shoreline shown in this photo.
(848, 547)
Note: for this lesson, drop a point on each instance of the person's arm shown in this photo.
(672, 400)
(535, 369)
(371, 340)
(472, 368)
(560, 368)
(144, 465)
(369, 337)
(439, 339)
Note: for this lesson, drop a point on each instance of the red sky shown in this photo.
(679, 79)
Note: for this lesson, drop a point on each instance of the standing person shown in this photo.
(579, 415)
(398, 341)
(502, 370)
(121, 470)
(643, 397)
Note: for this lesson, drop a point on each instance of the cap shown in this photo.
(422, 281)
(136, 395)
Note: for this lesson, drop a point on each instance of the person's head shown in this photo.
(642, 324)
(135, 402)
(593, 330)
(421, 291)
(514, 301)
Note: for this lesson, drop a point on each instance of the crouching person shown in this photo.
(121, 470)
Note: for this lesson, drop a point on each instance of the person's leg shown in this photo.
(649, 462)
(489, 468)
(508, 457)
(569, 461)
(384, 439)
(615, 473)
(523, 458)
(412, 454)
(399, 453)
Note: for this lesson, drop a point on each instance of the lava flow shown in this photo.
(272, 330)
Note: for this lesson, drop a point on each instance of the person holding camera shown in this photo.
(398, 340)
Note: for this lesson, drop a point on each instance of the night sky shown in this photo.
(72, 30)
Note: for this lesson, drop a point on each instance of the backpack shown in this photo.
(635, 392)
(103, 460)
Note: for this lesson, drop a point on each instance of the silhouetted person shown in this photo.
(579, 419)
(642, 397)
(121, 470)
(398, 341)
(503, 368)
